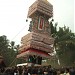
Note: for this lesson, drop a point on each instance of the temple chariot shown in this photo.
(38, 44)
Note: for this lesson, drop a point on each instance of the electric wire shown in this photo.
(19, 32)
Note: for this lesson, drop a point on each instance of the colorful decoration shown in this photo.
(36, 45)
(41, 23)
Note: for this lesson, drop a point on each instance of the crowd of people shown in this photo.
(38, 70)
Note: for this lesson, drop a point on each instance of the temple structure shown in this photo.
(38, 43)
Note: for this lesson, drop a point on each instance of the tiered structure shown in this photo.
(38, 42)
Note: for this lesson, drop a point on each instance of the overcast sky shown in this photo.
(13, 14)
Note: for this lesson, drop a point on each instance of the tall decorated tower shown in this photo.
(38, 44)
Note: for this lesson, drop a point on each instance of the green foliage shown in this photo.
(3, 44)
(64, 44)
(8, 50)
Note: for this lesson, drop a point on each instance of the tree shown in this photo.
(4, 43)
(64, 44)
(8, 50)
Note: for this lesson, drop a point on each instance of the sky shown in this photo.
(13, 15)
